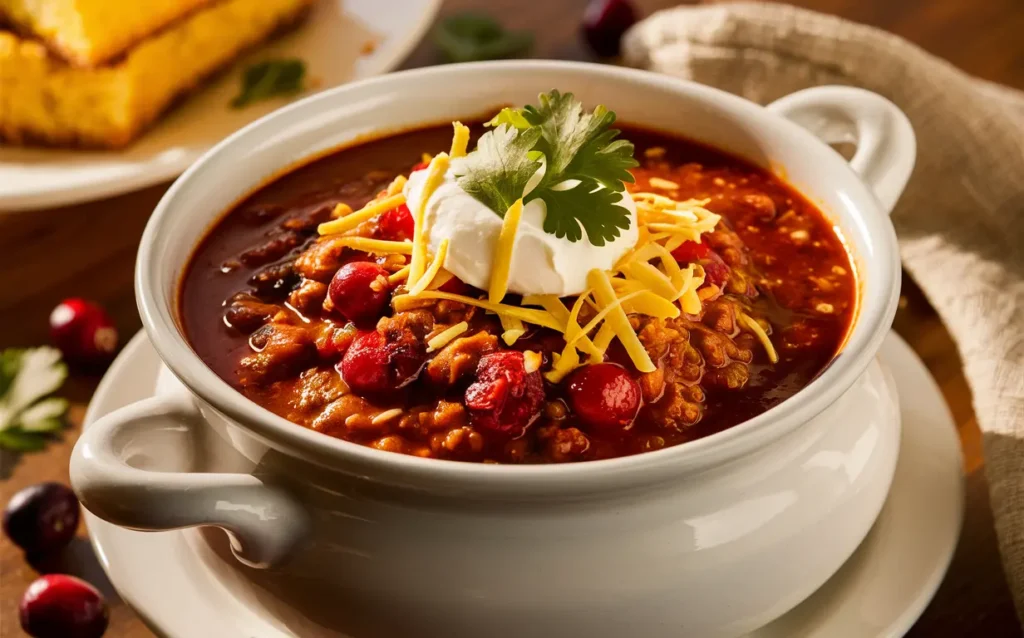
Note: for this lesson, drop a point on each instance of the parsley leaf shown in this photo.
(268, 79)
(497, 172)
(586, 168)
(468, 37)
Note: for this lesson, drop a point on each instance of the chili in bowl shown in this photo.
(553, 357)
(738, 294)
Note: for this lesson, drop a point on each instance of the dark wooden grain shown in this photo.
(89, 251)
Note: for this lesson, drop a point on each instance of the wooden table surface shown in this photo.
(89, 251)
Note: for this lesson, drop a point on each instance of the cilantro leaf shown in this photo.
(468, 37)
(497, 172)
(510, 116)
(10, 361)
(26, 377)
(268, 79)
(585, 167)
(585, 205)
(43, 416)
(579, 144)
(18, 441)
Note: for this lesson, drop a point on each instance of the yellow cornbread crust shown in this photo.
(92, 32)
(47, 101)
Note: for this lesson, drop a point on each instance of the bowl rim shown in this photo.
(870, 326)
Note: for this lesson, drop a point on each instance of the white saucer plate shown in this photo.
(879, 592)
(342, 40)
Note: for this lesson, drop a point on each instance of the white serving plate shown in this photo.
(881, 590)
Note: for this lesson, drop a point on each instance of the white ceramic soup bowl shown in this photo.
(714, 537)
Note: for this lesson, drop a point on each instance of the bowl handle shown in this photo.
(264, 523)
(886, 147)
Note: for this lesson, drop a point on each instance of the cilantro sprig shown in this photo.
(585, 167)
(27, 416)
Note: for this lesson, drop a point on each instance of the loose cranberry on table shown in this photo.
(60, 606)
(42, 518)
(396, 224)
(373, 365)
(604, 397)
(83, 332)
(360, 291)
(605, 22)
(504, 397)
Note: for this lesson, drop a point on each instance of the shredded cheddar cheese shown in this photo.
(444, 337)
(554, 305)
(366, 213)
(460, 141)
(377, 246)
(503, 252)
(512, 329)
(435, 267)
(442, 277)
(435, 173)
(396, 185)
(528, 315)
(605, 296)
(602, 340)
(532, 361)
(399, 275)
(341, 210)
(752, 325)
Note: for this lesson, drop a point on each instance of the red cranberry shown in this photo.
(396, 224)
(42, 518)
(83, 331)
(505, 398)
(360, 291)
(716, 272)
(60, 606)
(373, 365)
(604, 397)
(420, 166)
(689, 252)
(604, 23)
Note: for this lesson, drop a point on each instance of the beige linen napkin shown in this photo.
(960, 221)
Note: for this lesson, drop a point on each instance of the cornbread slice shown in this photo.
(43, 99)
(90, 32)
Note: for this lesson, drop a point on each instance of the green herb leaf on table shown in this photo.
(586, 168)
(27, 376)
(270, 78)
(469, 37)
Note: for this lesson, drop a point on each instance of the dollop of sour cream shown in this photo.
(542, 264)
